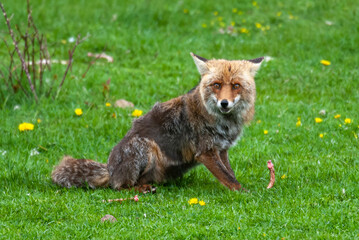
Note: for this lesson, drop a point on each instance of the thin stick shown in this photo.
(71, 53)
(41, 69)
(11, 62)
(135, 198)
(272, 176)
(19, 53)
(90, 65)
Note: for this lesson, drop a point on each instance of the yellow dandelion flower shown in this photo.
(264, 234)
(233, 23)
(259, 121)
(284, 176)
(26, 127)
(193, 201)
(340, 125)
(265, 132)
(325, 62)
(321, 135)
(298, 124)
(279, 14)
(202, 203)
(47, 160)
(255, 4)
(204, 25)
(220, 19)
(234, 10)
(318, 120)
(239, 228)
(63, 41)
(137, 113)
(258, 25)
(114, 115)
(337, 116)
(215, 13)
(278, 124)
(108, 104)
(348, 120)
(38, 120)
(185, 11)
(244, 30)
(78, 111)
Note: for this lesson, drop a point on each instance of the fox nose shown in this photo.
(224, 103)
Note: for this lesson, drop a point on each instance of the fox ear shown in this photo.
(200, 64)
(255, 65)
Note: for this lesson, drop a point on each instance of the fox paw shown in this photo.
(146, 189)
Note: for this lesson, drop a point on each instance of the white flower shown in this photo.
(3, 152)
(71, 39)
(17, 107)
(34, 152)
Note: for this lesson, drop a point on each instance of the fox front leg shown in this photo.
(224, 157)
(212, 161)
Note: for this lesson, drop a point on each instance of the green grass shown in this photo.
(150, 42)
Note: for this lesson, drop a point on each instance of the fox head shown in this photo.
(228, 87)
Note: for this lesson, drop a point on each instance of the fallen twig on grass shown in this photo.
(271, 170)
(135, 198)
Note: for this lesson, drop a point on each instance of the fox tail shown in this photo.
(73, 172)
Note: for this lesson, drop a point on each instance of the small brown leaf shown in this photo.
(122, 103)
(109, 218)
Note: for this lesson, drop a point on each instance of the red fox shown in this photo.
(196, 128)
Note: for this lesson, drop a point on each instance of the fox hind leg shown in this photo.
(135, 163)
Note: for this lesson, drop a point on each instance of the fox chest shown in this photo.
(226, 136)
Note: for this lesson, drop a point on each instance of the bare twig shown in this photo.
(135, 198)
(19, 53)
(71, 53)
(41, 68)
(90, 65)
(12, 73)
(272, 176)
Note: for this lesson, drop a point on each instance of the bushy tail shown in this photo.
(77, 172)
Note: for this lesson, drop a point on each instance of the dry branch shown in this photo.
(19, 53)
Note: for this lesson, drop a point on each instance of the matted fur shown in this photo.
(175, 136)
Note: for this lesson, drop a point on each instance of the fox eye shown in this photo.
(236, 86)
(217, 86)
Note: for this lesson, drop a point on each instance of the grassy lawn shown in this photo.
(316, 195)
